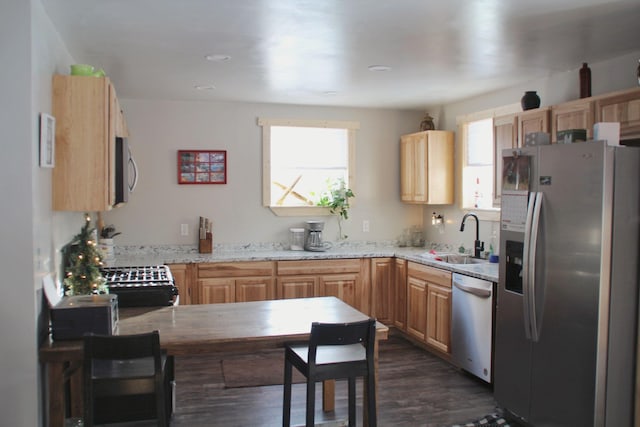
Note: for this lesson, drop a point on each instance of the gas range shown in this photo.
(142, 286)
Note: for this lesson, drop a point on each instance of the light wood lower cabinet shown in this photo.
(183, 278)
(235, 282)
(429, 306)
(382, 289)
(342, 278)
(439, 317)
(400, 294)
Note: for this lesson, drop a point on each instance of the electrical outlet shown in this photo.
(365, 226)
(184, 229)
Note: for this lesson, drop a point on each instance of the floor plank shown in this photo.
(416, 388)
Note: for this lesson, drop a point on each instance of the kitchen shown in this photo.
(151, 217)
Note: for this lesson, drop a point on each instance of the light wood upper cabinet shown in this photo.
(623, 107)
(505, 135)
(573, 115)
(536, 120)
(427, 167)
(88, 119)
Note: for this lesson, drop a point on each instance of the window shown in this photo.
(302, 160)
(481, 153)
(477, 173)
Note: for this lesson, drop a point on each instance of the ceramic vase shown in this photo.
(585, 81)
(530, 100)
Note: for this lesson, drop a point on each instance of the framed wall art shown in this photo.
(202, 167)
(47, 140)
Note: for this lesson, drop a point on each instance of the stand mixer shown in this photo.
(314, 241)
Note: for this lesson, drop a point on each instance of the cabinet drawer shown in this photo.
(235, 269)
(314, 267)
(430, 274)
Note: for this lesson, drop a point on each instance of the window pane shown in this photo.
(304, 163)
(477, 174)
(480, 143)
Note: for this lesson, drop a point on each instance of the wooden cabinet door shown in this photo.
(84, 177)
(532, 121)
(297, 287)
(182, 276)
(342, 286)
(505, 135)
(407, 167)
(621, 107)
(400, 294)
(417, 308)
(382, 281)
(427, 167)
(572, 115)
(439, 317)
(254, 289)
(215, 291)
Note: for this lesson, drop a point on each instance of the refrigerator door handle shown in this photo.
(535, 225)
(526, 296)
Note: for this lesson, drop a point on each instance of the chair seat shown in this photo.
(329, 354)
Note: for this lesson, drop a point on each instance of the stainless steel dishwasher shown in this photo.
(472, 325)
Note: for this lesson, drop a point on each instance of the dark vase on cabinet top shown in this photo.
(530, 100)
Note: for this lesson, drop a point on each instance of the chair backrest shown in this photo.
(122, 347)
(336, 334)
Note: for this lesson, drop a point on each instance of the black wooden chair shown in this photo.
(334, 351)
(126, 378)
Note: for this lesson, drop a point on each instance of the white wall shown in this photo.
(606, 76)
(159, 205)
(31, 235)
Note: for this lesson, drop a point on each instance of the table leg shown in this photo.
(55, 377)
(329, 395)
(77, 397)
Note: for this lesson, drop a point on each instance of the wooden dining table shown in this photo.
(203, 329)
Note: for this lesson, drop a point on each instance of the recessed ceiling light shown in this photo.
(379, 68)
(217, 57)
(330, 93)
(204, 87)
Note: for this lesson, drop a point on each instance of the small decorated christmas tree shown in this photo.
(82, 261)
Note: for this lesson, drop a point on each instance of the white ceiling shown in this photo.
(317, 52)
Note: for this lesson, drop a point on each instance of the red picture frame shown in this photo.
(202, 166)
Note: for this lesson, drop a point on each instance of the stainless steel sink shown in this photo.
(463, 259)
(456, 259)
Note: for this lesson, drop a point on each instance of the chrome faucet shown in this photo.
(478, 246)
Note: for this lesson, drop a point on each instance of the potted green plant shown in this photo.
(337, 200)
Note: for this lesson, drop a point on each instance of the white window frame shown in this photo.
(491, 214)
(266, 124)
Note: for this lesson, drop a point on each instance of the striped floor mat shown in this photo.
(493, 420)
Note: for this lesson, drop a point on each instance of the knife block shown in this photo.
(205, 246)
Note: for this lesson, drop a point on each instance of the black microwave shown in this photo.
(126, 171)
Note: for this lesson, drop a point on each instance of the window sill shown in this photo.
(299, 210)
(485, 214)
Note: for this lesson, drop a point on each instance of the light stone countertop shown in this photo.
(181, 254)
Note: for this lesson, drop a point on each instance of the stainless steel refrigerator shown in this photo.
(566, 315)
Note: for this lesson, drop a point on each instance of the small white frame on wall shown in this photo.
(47, 140)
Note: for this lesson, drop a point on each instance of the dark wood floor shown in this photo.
(416, 388)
